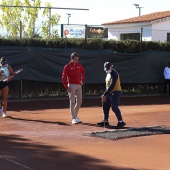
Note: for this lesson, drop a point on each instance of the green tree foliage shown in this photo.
(49, 23)
(21, 20)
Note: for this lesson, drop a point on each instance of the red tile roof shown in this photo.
(143, 18)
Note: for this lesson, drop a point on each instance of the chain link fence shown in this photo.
(26, 89)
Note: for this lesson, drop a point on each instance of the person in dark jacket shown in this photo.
(73, 77)
(111, 96)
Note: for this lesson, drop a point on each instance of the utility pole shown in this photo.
(137, 6)
(141, 31)
(34, 22)
(69, 15)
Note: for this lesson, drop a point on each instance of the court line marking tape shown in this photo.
(17, 163)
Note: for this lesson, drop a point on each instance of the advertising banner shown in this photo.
(70, 31)
(97, 32)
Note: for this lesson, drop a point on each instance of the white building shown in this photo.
(150, 27)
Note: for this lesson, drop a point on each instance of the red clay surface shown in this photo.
(38, 135)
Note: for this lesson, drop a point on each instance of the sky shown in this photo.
(103, 11)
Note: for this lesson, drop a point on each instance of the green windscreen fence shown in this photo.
(46, 64)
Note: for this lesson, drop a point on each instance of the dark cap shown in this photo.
(107, 66)
(3, 61)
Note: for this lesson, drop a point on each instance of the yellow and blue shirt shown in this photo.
(112, 82)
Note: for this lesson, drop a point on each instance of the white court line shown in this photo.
(26, 167)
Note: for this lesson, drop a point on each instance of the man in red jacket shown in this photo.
(73, 78)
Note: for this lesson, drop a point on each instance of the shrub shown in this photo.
(127, 46)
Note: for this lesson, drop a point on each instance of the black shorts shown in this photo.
(3, 84)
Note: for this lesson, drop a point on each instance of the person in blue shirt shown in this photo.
(167, 78)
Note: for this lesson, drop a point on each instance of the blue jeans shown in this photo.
(112, 101)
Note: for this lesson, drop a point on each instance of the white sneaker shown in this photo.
(78, 120)
(74, 121)
(4, 115)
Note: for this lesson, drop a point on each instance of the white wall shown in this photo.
(160, 30)
(115, 31)
(147, 33)
(152, 31)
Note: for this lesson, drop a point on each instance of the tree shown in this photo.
(49, 23)
(12, 17)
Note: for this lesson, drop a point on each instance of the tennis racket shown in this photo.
(15, 72)
(18, 71)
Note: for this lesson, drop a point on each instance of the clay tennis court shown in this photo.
(38, 135)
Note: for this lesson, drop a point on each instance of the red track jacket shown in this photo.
(73, 74)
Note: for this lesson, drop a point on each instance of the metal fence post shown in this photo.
(21, 33)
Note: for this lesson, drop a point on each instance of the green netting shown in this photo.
(46, 64)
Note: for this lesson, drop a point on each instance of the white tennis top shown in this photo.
(6, 71)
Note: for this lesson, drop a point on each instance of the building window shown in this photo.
(168, 37)
(131, 36)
